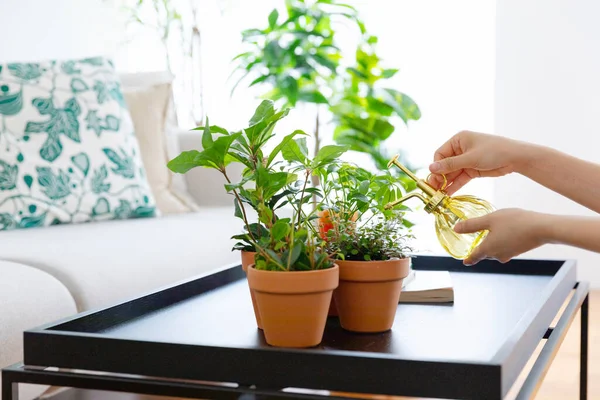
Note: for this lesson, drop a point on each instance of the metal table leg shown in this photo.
(579, 301)
(583, 358)
(10, 388)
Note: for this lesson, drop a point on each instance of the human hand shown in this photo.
(511, 232)
(469, 155)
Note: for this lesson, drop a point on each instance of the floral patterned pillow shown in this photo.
(68, 150)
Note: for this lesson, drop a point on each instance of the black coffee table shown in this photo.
(181, 340)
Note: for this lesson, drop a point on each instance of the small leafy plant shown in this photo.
(354, 221)
(266, 185)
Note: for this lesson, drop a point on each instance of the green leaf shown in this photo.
(325, 61)
(252, 32)
(281, 145)
(312, 97)
(188, 160)
(364, 187)
(328, 154)
(218, 129)
(295, 150)
(241, 55)
(289, 87)
(389, 72)
(379, 106)
(275, 257)
(407, 223)
(294, 254)
(238, 210)
(207, 140)
(360, 197)
(217, 153)
(265, 110)
(259, 80)
(404, 106)
(271, 182)
(273, 18)
(280, 230)
(259, 133)
(358, 73)
(213, 129)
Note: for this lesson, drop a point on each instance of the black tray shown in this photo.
(204, 329)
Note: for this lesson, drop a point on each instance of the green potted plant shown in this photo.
(370, 243)
(222, 147)
(293, 276)
(294, 56)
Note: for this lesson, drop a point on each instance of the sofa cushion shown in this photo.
(148, 108)
(28, 298)
(68, 151)
(105, 263)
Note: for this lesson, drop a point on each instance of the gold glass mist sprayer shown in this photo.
(448, 211)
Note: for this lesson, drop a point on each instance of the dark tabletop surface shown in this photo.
(487, 308)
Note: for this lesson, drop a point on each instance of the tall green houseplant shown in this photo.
(296, 58)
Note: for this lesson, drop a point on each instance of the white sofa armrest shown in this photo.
(205, 185)
(28, 298)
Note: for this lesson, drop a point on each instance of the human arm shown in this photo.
(513, 232)
(469, 155)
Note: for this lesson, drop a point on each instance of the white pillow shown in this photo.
(68, 151)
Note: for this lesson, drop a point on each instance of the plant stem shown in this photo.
(315, 178)
(237, 196)
(302, 196)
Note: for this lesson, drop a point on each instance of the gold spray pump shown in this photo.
(448, 211)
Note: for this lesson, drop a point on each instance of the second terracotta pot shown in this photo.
(367, 296)
(293, 305)
(332, 307)
(247, 260)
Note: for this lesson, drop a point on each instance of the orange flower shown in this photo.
(326, 224)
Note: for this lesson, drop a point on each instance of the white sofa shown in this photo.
(51, 273)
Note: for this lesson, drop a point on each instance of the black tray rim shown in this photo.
(42, 344)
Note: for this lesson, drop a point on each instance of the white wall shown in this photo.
(548, 92)
(41, 29)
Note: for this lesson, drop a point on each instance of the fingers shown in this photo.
(447, 150)
(476, 256)
(451, 164)
(473, 225)
(458, 182)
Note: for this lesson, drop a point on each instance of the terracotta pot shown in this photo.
(293, 305)
(332, 307)
(247, 260)
(368, 293)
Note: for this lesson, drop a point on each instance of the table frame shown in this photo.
(20, 373)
